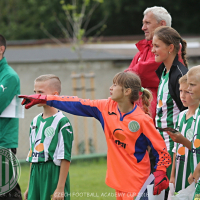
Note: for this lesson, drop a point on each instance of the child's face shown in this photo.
(116, 92)
(185, 96)
(194, 86)
(160, 49)
(42, 87)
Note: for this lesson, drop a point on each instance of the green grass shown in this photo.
(87, 180)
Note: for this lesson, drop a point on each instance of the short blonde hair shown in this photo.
(55, 81)
(183, 79)
(194, 71)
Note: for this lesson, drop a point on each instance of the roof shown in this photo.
(58, 54)
(118, 50)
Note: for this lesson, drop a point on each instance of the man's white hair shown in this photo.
(160, 14)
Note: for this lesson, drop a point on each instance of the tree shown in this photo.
(77, 18)
(21, 19)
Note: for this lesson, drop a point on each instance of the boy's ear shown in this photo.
(55, 93)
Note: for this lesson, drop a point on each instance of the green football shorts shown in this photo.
(43, 181)
(197, 192)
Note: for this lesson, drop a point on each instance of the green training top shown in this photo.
(9, 87)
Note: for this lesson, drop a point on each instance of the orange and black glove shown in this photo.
(161, 181)
(33, 99)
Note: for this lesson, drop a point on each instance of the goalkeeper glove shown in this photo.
(161, 181)
(32, 100)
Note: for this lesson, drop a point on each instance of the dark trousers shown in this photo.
(15, 193)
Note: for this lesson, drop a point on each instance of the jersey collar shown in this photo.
(122, 116)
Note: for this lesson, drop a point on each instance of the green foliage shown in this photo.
(100, 1)
(21, 19)
(68, 7)
(86, 2)
(81, 33)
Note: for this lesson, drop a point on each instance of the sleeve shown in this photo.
(176, 126)
(146, 71)
(30, 129)
(65, 140)
(8, 89)
(30, 143)
(159, 149)
(77, 106)
(177, 92)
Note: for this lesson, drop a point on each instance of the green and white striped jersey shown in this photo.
(195, 151)
(167, 110)
(50, 139)
(186, 127)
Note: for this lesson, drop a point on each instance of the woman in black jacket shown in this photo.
(166, 45)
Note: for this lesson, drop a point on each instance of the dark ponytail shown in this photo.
(183, 51)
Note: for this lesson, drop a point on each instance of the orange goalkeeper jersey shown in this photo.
(127, 136)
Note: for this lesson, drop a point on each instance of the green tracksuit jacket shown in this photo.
(9, 87)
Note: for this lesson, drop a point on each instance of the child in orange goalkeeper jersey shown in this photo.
(128, 131)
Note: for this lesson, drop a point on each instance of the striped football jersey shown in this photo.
(50, 139)
(186, 127)
(167, 110)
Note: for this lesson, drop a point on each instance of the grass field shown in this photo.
(87, 180)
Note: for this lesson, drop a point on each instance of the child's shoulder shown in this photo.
(197, 114)
(37, 116)
(62, 117)
(183, 112)
(141, 115)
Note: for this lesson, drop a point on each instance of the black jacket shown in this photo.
(177, 71)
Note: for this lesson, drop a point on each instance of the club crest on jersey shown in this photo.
(49, 131)
(133, 126)
(189, 134)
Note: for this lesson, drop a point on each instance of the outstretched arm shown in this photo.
(70, 104)
(31, 100)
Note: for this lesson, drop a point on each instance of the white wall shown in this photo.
(104, 72)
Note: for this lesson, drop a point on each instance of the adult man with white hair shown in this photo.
(143, 62)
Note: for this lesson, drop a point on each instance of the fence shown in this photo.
(83, 86)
